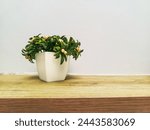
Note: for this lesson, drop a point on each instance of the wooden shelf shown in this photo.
(26, 93)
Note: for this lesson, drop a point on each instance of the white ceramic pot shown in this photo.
(49, 68)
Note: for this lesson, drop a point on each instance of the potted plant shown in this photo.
(52, 54)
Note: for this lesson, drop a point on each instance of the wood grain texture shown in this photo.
(141, 104)
(24, 93)
(25, 86)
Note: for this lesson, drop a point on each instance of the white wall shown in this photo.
(115, 34)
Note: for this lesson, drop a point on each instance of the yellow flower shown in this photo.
(45, 37)
(63, 51)
(78, 49)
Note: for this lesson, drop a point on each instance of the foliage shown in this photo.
(60, 45)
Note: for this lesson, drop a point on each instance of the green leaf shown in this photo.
(65, 57)
(61, 59)
(57, 55)
(44, 45)
(54, 44)
(64, 39)
(57, 48)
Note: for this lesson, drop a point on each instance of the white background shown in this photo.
(7, 121)
(115, 34)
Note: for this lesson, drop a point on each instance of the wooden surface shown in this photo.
(76, 105)
(12, 86)
(76, 94)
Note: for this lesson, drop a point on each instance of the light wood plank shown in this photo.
(29, 86)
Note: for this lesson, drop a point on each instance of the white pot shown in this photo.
(49, 68)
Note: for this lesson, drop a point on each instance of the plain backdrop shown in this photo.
(115, 34)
